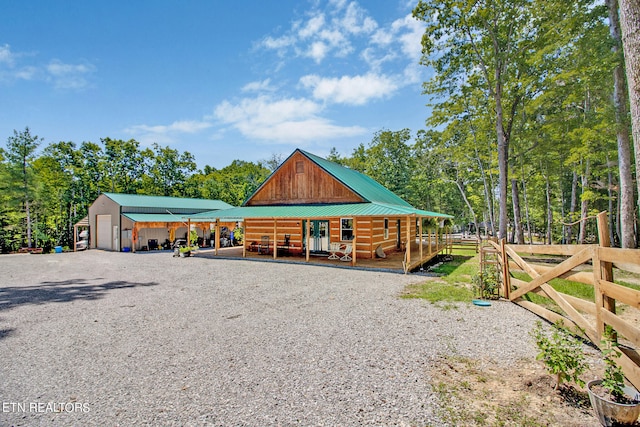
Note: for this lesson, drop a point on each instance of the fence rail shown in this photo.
(588, 264)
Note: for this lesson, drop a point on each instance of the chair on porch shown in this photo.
(263, 248)
(152, 244)
(284, 248)
(346, 252)
(334, 248)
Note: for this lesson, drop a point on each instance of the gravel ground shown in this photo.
(100, 338)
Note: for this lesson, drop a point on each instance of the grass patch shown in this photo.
(438, 291)
(453, 286)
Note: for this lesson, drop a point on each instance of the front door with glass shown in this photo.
(319, 235)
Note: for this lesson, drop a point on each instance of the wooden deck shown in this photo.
(394, 261)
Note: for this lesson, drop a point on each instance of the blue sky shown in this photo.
(223, 80)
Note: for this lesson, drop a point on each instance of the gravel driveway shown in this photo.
(100, 338)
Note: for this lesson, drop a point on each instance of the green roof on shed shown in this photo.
(163, 202)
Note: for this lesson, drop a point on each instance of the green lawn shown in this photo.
(454, 284)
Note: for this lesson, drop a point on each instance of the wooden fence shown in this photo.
(588, 264)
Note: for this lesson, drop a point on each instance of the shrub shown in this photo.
(485, 283)
(561, 353)
(613, 378)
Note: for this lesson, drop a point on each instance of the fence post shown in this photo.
(506, 283)
(604, 271)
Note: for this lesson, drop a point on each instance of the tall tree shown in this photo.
(627, 211)
(630, 29)
(124, 165)
(389, 160)
(489, 43)
(168, 171)
(20, 153)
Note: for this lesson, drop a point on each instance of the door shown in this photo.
(103, 234)
(319, 235)
(116, 238)
(399, 238)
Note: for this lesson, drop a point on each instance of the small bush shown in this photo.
(485, 283)
(561, 353)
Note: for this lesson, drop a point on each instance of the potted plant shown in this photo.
(185, 251)
(613, 401)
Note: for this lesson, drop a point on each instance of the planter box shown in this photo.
(612, 413)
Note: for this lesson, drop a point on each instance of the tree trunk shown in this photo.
(503, 167)
(487, 193)
(473, 213)
(614, 220)
(584, 211)
(526, 211)
(627, 211)
(517, 216)
(549, 213)
(572, 206)
(630, 26)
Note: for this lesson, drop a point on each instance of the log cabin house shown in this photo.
(310, 206)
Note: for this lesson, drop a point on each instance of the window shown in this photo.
(386, 228)
(346, 229)
(299, 167)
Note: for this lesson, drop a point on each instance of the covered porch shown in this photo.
(345, 238)
(394, 261)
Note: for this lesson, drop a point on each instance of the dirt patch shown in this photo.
(482, 393)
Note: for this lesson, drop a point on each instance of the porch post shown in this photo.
(217, 236)
(75, 237)
(134, 237)
(408, 240)
(189, 232)
(308, 227)
(275, 238)
(420, 234)
(244, 241)
(354, 242)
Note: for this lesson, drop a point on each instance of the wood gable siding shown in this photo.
(301, 181)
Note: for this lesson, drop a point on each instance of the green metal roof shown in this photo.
(163, 202)
(315, 211)
(368, 188)
(145, 217)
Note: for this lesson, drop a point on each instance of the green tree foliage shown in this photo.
(20, 155)
(234, 183)
(58, 185)
(168, 171)
(504, 49)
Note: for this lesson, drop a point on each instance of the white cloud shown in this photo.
(69, 76)
(61, 75)
(181, 126)
(261, 86)
(6, 57)
(313, 26)
(318, 50)
(356, 21)
(324, 33)
(11, 70)
(290, 120)
(409, 32)
(357, 90)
